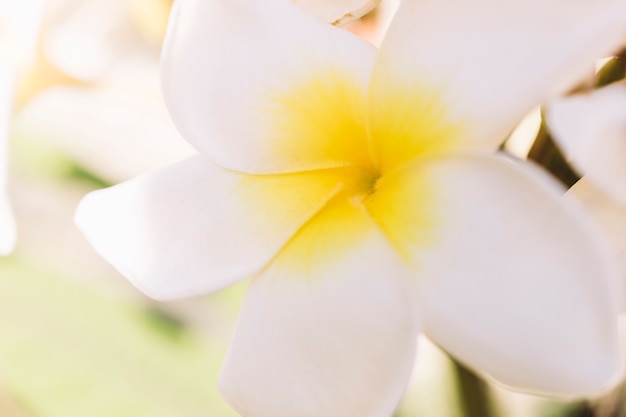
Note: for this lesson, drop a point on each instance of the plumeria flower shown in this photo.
(18, 32)
(361, 192)
(608, 212)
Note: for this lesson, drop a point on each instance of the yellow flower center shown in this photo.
(325, 126)
(359, 182)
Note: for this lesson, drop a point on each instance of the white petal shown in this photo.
(336, 342)
(591, 130)
(610, 215)
(112, 132)
(489, 62)
(256, 75)
(20, 28)
(514, 281)
(338, 12)
(82, 45)
(195, 227)
(525, 294)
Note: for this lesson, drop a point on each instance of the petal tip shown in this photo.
(96, 219)
(119, 230)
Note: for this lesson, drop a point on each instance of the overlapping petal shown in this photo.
(256, 86)
(608, 213)
(491, 61)
(514, 281)
(323, 335)
(194, 227)
(591, 130)
(338, 12)
(136, 129)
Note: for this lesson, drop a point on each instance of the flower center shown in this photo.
(359, 182)
(369, 181)
(371, 145)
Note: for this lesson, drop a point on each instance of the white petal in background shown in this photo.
(117, 128)
(114, 132)
(591, 130)
(19, 28)
(81, 43)
(541, 49)
(340, 343)
(92, 40)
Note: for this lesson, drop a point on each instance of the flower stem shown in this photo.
(473, 393)
(545, 153)
(614, 70)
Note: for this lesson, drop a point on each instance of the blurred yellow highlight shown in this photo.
(150, 18)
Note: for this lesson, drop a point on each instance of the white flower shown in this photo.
(361, 192)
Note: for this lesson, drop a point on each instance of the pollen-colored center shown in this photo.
(327, 123)
(359, 182)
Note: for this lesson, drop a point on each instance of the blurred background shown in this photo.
(76, 339)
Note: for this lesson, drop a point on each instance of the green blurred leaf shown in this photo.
(68, 350)
(546, 153)
(38, 159)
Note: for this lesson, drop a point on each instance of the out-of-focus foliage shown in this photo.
(68, 349)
